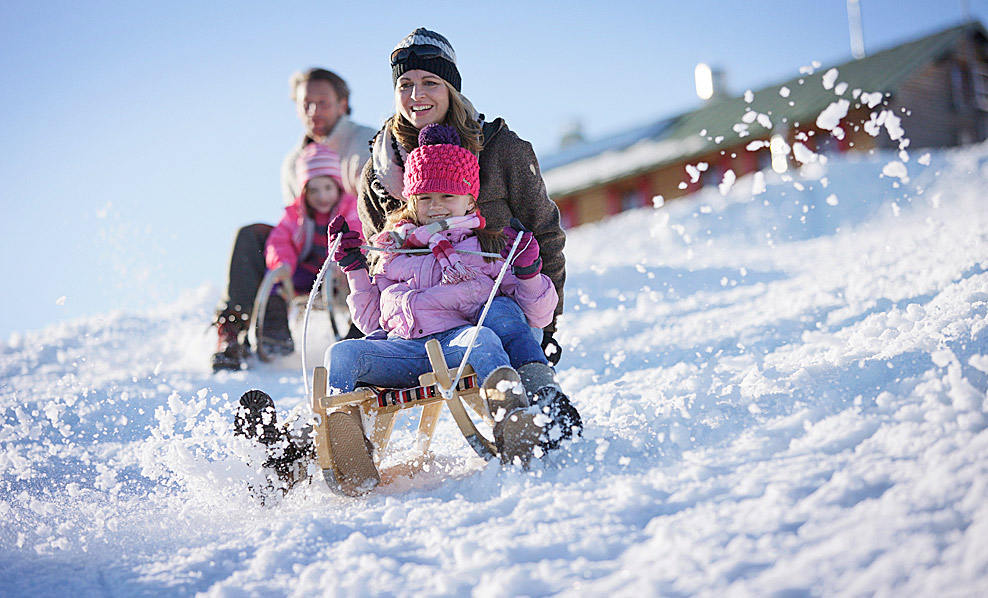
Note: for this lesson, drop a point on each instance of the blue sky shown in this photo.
(136, 137)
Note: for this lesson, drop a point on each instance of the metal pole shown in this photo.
(854, 26)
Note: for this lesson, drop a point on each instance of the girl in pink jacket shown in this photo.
(299, 241)
(437, 292)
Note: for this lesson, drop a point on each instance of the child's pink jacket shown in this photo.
(294, 235)
(406, 299)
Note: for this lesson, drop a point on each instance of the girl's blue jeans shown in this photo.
(521, 342)
(397, 363)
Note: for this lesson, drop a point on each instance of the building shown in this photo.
(931, 92)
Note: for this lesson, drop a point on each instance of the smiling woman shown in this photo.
(427, 85)
(509, 187)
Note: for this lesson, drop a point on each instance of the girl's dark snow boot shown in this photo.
(257, 419)
(544, 392)
(352, 454)
(516, 430)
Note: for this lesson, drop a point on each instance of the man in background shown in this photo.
(322, 102)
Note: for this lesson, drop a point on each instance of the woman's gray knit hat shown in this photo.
(428, 51)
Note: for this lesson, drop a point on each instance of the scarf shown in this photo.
(386, 163)
(408, 235)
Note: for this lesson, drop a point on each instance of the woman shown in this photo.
(427, 90)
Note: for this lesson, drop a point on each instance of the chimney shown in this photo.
(711, 83)
(854, 26)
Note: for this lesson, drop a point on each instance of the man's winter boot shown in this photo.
(544, 392)
(354, 472)
(231, 353)
(516, 431)
(276, 339)
(257, 419)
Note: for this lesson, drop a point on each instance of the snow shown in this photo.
(785, 395)
(831, 115)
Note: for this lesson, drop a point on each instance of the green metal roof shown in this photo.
(882, 72)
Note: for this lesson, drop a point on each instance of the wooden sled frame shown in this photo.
(379, 406)
(329, 300)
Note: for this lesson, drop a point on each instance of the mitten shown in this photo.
(527, 262)
(551, 348)
(347, 254)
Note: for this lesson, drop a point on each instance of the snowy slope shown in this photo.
(785, 394)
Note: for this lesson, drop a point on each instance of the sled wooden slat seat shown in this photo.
(378, 407)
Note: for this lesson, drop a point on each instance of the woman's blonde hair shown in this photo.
(490, 241)
(457, 116)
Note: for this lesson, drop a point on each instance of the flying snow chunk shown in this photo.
(803, 153)
(758, 183)
(727, 182)
(694, 171)
(749, 96)
(784, 91)
(831, 115)
(872, 99)
(829, 78)
(896, 169)
(60, 300)
(924, 159)
(893, 124)
(831, 200)
(658, 201)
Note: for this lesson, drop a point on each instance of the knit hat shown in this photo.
(317, 160)
(428, 51)
(440, 165)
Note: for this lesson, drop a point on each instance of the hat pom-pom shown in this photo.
(437, 134)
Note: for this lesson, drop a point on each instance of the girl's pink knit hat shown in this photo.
(317, 160)
(440, 165)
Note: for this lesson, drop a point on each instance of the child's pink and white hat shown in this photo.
(440, 165)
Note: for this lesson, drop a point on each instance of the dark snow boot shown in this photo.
(544, 392)
(516, 432)
(257, 420)
(231, 353)
(565, 420)
(276, 338)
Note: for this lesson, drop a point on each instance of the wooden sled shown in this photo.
(379, 406)
(331, 299)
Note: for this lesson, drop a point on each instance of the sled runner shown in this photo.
(332, 299)
(379, 406)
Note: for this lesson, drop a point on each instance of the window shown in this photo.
(827, 144)
(631, 199)
(957, 95)
(713, 175)
(980, 76)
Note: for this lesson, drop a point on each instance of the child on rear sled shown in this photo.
(414, 297)
(299, 244)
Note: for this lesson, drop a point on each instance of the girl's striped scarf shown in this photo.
(408, 235)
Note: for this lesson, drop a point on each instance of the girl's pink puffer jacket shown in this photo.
(406, 298)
